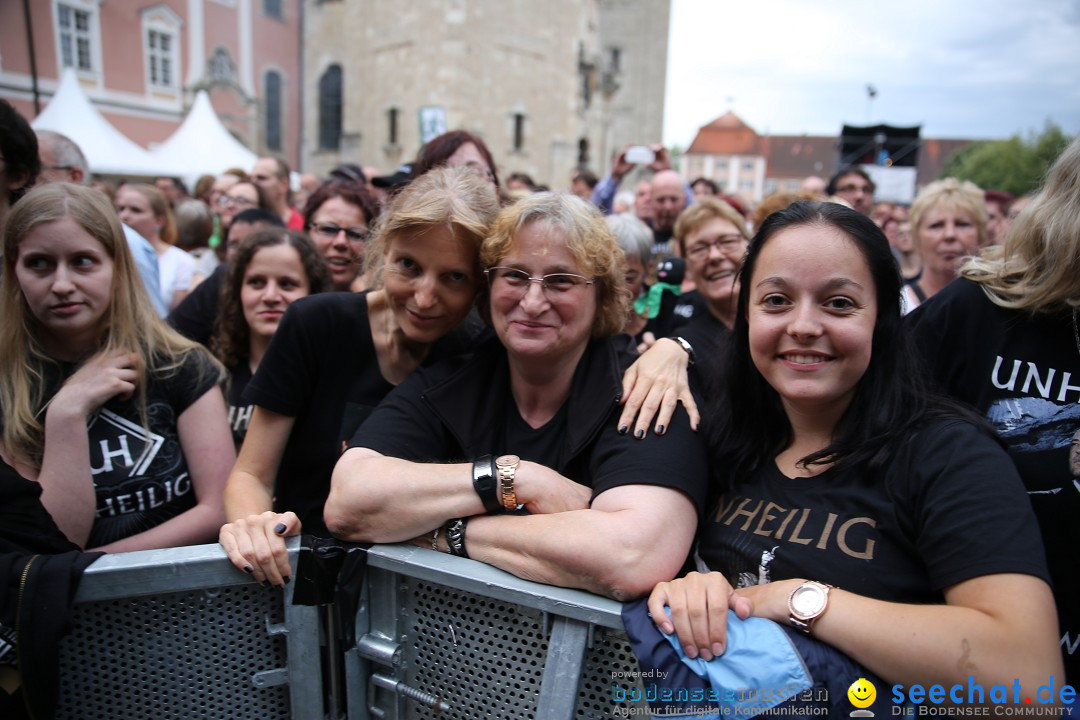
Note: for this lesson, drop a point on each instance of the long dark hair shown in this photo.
(231, 341)
(749, 424)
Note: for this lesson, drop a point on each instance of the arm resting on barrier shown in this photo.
(632, 536)
(375, 498)
(250, 537)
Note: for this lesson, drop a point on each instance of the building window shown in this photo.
(272, 8)
(519, 131)
(161, 62)
(77, 35)
(391, 126)
(748, 165)
(273, 110)
(583, 152)
(330, 106)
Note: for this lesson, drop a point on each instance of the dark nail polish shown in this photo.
(623, 429)
(286, 580)
(659, 429)
(279, 528)
(248, 569)
(266, 584)
(639, 434)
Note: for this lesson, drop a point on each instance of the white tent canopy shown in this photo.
(202, 145)
(107, 150)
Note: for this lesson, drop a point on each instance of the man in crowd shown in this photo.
(854, 186)
(272, 175)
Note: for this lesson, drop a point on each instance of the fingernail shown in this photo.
(623, 429)
(669, 628)
(639, 434)
(249, 570)
(659, 429)
(279, 528)
(706, 655)
(718, 649)
(690, 650)
(286, 579)
(266, 584)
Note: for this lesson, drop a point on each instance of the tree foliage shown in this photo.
(1015, 165)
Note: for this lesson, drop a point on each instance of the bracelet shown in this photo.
(682, 342)
(455, 537)
(435, 540)
(485, 485)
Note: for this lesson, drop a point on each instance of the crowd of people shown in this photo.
(858, 420)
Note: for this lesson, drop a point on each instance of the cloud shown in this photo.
(991, 68)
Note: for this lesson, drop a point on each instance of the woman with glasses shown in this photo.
(240, 196)
(335, 356)
(513, 456)
(338, 216)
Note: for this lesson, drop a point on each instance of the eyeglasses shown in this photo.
(237, 200)
(730, 245)
(845, 189)
(555, 285)
(330, 231)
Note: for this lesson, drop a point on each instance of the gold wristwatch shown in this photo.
(506, 466)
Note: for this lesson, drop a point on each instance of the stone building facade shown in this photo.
(548, 84)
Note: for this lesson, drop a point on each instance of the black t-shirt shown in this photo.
(239, 411)
(24, 521)
(948, 507)
(1021, 371)
(709, 338)
(196, 314)
(674, 313)
(141, 478)
(321, 368)
(456, 411)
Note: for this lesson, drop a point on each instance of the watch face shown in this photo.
(807, 601)
(507, 460)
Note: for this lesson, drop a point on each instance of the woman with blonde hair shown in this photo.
(948, 225)
(118, 418)
(146, 210)
(336, 355)
(1005, 338)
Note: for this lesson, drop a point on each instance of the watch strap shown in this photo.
(486, 484)
(455, 537)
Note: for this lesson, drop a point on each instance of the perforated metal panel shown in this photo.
(482, 655)
(609, 654)
(178, 655)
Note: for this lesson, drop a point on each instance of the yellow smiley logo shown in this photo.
(862, 693)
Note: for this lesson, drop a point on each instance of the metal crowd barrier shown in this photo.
(182, 634)
(444, 637)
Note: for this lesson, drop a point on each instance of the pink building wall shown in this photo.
(120, 88)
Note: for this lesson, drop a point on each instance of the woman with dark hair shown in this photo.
(834, 463)
(270, 269)
(19, 161)
(457, 148)
(338, 216)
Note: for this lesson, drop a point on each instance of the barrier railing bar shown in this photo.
(482, 579)
(562, 670)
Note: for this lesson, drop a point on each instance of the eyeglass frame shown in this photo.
(702, 249)
(236, 200)
(351, 234)
(543, 280)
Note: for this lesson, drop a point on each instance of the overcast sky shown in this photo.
(959, 68)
